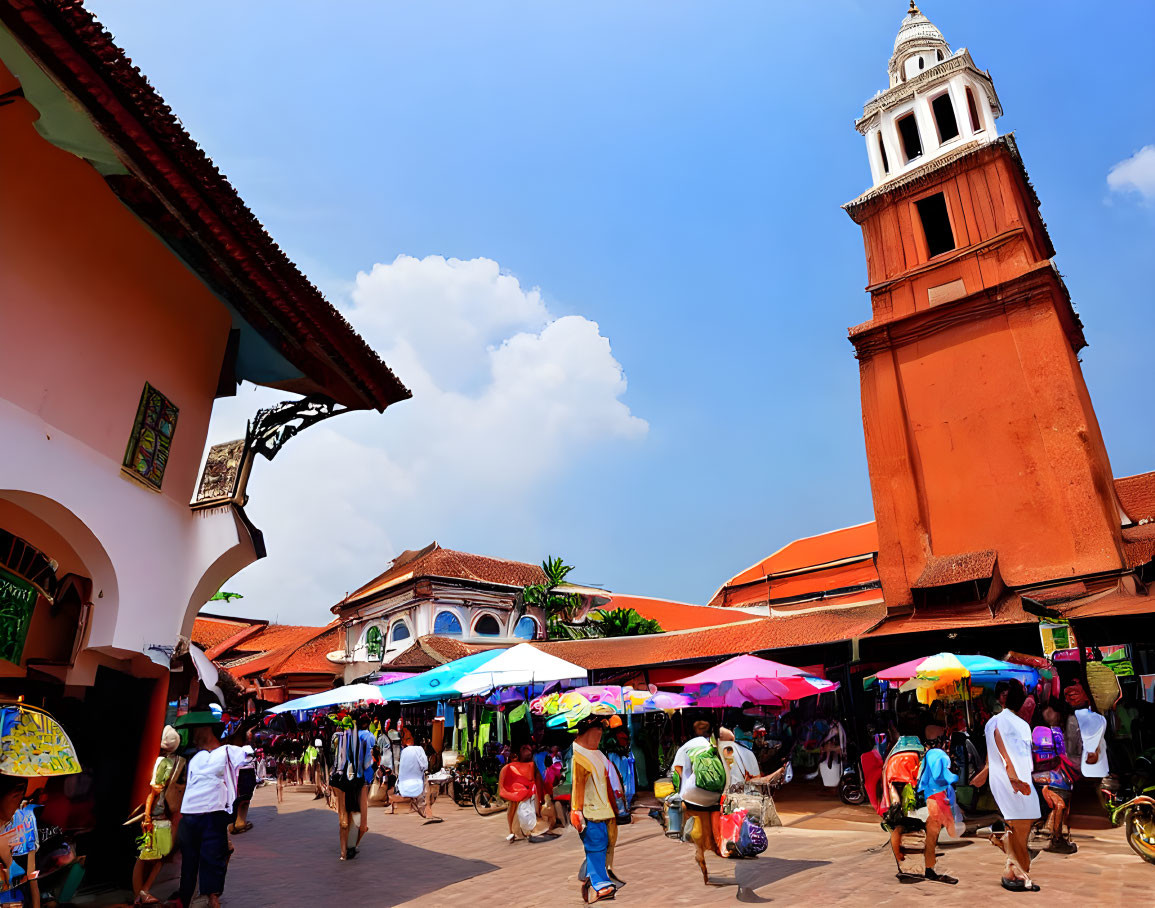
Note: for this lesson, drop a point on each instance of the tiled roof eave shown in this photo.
(191, 197)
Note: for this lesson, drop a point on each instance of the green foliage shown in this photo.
(562, 610)
(623, 622)
(559, 608)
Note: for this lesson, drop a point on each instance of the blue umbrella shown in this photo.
(438, 683)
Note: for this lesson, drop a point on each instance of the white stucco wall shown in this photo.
(153, 561)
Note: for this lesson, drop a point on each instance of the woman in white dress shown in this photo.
(1010, 761)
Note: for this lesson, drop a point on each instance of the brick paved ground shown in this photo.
(826, 854)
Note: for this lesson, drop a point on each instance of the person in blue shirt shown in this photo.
(18, 839)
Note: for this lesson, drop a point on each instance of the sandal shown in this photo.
(1017, 885)
(939, 877)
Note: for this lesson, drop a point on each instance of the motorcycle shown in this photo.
(850, 788)
(1130, 802)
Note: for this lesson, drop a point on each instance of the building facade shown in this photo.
(436, 591)
(135, 289)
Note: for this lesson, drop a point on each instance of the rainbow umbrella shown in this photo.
(941, 676)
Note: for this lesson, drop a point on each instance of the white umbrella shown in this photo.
(350, 693)
(519, 666)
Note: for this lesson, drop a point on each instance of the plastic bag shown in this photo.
(527, 815)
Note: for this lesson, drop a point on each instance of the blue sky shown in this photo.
(671, 171)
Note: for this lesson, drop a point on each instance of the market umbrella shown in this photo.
(939, 675)
(751, 679)
(32, 743)
(440, 683)
(518, 666)
(350, 693)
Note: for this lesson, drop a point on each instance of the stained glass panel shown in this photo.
(148, 447)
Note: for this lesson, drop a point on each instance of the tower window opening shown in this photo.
(921, 62)
(935, 224)
(911, 141)
(882, 151)
(973, 110)
(944, 117)
(939, 52)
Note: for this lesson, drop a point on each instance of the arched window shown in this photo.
(374, 642)
(921, 62)
(939, 52)
(400, 632)
(526, 628)
(487, 626)
(447, 625)
(972, 109)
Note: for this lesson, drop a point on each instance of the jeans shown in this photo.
(204, 848)
(596, 840)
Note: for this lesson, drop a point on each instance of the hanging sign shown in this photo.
(17, 600)
(1056, 636)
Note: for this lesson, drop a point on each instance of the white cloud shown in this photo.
(1135, 174)
(507, 398)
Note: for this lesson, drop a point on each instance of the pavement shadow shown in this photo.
(751, 875)
(291, 859)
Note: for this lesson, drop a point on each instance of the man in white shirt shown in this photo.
(689, 792)
(208, 799)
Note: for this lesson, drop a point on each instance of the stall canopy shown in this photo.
(749, 679)
(518, 666)
(942, 674)
(350, 693)
(439, 683)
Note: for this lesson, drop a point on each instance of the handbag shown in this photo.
(759, 807)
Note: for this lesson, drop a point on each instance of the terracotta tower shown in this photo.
(986, 461)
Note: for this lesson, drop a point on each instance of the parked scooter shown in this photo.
(1130, 802)
(850, 787)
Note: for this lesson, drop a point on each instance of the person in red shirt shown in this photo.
(518, 782)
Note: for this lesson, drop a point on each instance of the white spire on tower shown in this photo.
(938, 101)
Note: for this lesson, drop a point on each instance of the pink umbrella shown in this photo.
(749, 678)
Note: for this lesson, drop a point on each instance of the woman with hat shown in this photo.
(597, 794)
(205, 812)
(161, 809)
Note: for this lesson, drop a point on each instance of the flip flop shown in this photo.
(1019, 885)
(930, 874)
(904, 877)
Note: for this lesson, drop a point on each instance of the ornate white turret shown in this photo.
(937, 102)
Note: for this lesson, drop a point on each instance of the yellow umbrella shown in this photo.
(32, 743)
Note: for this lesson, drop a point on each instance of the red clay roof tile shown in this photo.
(434, 561)
(947, 569)
(1137, 495)
(174, 187)
(675, 616)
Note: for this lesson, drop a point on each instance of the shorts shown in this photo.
(157, 844)
(246, 785)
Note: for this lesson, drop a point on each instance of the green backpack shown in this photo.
(709, 771)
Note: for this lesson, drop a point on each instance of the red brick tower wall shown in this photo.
(980, 433)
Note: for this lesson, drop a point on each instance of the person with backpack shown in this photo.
(899, 804)
(701, 780)
(1053, 775)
